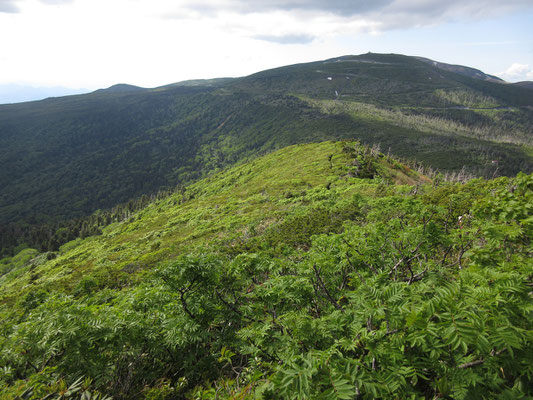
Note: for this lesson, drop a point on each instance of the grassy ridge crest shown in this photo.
(320, 271)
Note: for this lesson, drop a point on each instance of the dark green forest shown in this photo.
(320, 271)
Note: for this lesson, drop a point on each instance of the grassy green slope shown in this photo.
(219, 208)
(320, 271)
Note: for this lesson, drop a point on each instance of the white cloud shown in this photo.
(8, 6)
(517, 72)
(300, 21)
(11, 6)
(401, 14)
(339, 7)
(384, 14)
(287, 39)
(348, 8)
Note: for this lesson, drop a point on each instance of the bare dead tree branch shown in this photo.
(184, 304)
(325, 290)
(232, 308)
(355, 269)
(370, 267)
(417, 277)
(481, 360)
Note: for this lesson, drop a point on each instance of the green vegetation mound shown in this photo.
(321, 271)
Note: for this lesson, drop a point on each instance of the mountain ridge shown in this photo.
(70, 156)
(461, 69)
(526, 84)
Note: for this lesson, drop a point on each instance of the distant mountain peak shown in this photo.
(121, 87)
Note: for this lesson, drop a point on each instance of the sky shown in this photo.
(93, 44)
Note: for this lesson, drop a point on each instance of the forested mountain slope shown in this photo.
(67, 157)
(320, 271)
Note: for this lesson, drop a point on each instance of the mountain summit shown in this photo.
(121, 87)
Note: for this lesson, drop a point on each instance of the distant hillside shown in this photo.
(67, 157)
(200, 82)
(525, 84)
(462, 70)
